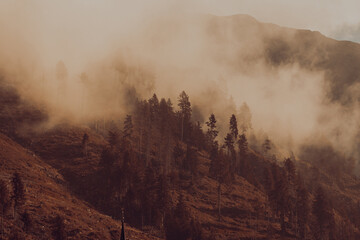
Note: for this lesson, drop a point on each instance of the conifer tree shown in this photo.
(229, 143)
(185, 113)
(234, 127)
(212, 132)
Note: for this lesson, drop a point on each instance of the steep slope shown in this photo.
(245, 210)
(47, 197)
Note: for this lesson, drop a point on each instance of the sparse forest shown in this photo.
(172, 126)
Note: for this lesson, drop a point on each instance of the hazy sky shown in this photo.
(335, 18)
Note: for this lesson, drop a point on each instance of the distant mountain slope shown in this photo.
(281, 46)
(47, 197)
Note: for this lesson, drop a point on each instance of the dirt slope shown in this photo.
(47, 197)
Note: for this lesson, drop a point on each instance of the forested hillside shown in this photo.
(169, 170)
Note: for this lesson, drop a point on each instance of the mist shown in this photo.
(115, 51)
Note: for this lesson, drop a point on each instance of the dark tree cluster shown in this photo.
(157, 152)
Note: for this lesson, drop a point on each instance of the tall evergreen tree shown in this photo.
(234, 127)
(185, 113)
(229, 143)
(212, 132)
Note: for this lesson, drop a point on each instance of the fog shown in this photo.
(114, 50)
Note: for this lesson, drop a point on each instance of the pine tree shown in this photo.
(234, 127)
(18, 191)
(229, 143)
(185, 113)
(211, 132)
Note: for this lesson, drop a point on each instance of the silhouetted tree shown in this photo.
(185, 113)
(212, 132)
(234, 127)
(229, 143)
